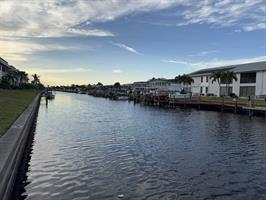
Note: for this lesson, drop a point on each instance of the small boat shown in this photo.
(49, 95)
(83, 92)
(122, 98)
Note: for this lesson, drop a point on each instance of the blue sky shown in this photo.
(85, 42)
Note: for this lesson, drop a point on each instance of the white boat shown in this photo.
(122, 98)
(178, 95)
(49, 95)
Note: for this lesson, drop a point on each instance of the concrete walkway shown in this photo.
(12, 148)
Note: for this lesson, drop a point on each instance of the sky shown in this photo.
(89, 41)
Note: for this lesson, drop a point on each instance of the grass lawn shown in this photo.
(12, 104)
(229, 100)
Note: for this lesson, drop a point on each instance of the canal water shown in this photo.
(92, 148)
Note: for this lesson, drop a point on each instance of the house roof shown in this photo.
(2, 61)
(9, 67)
(258, 66)
(247, 67)
(12, 68)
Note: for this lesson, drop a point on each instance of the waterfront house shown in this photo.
(139, 86)
(4, 67)
(157, 84)
(251, 80)
(163, 84)
(20, 77)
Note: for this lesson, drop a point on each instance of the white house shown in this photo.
(139, 86)
(164, 85)
(157, 84)
(251, 80)
(4, 67)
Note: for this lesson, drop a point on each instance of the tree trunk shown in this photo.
(227, 90)
(222, 107)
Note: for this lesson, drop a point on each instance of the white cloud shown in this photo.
(117, 71)
(248, 15)
(20, 50)
(204, 53)
(255, 26)
(237, 30)
(175, 62)
(56, 18)
(216, 63)
(127, 48)
(219, 63)
(89, 32)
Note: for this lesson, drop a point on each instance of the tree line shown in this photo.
(19, 80)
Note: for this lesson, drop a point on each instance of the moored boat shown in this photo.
(122, 98)
(49, 95)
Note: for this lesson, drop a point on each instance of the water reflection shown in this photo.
(93, 148)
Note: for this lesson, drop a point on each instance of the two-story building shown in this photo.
(251, 80)
(20, 77)
(157, 84)
(163, 84)
(4, 67)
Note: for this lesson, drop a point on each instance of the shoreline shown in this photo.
(13, 145)
(233, 107)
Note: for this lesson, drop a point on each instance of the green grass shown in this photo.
(229, 100)
(12, 104)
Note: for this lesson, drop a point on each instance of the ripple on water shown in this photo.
(108, 148)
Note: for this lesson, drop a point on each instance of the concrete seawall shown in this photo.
(12, 148)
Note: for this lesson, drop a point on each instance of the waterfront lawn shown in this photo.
(229, 100)
(12, 104)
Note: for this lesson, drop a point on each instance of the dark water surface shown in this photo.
(93, 148)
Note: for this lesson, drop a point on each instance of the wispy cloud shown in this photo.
(127, 48)
(20, 50)
(175, 62)
(218, 63)
(55, 18)
(117, 71)
(215, 62)
(255, 26)
(248, 15)
(204, 53)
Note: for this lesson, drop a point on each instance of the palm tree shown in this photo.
(228, 77)
(99, 84)
(22, 76)
(6, 81)
(36, 79)
(216, 77)
(9, 78)
(185, 79)
(188, 80)
(117, 84)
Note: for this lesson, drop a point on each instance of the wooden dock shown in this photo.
(201, 104)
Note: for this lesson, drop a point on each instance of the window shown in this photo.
(249, 77)
(201, 90)
(223, 91)
(246, 91)
(207, 90)
(4, 69)
(201, 79)
(207, 79)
